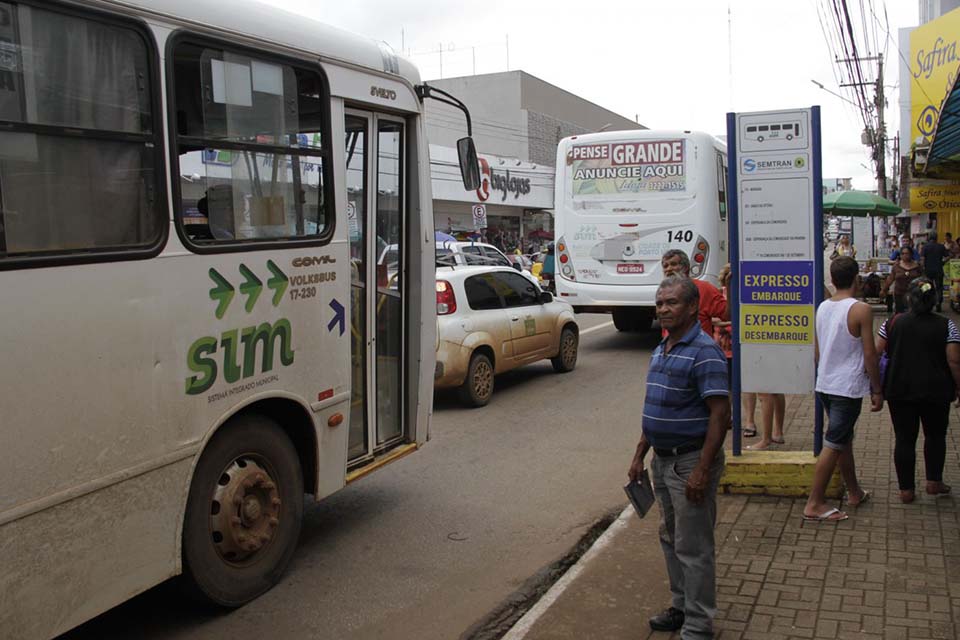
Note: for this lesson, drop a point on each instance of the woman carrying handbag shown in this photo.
(921, 379)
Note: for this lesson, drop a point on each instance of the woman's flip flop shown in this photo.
(830, 515)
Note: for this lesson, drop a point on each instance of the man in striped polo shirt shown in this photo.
(685, 417)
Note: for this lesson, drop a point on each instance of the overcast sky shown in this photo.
(665, 62)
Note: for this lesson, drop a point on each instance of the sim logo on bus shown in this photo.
(243, 343)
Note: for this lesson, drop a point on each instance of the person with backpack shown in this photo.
(921, 378)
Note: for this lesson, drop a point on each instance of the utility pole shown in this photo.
(877, 137)
(880, 144)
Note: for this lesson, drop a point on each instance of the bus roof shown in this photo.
(256, 21)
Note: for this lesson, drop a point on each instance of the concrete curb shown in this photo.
(519, 630)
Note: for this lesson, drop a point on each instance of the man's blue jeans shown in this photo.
(686, 535)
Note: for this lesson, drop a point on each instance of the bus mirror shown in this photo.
(469, 166)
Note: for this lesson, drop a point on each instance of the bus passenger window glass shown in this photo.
(751, 129)
(66, 71)
(722, 187)
(762, 127)
(774, 127)
(250, 147)
(87, 181)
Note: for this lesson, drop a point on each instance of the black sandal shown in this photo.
(749, 432)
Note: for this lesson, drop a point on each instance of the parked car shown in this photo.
(493, 319)
(475, 253)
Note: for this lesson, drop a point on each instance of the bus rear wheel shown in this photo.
(623, 319)
(243, 513)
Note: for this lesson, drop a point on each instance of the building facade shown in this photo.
(518, 120)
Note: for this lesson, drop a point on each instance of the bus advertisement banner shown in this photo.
(613, 168)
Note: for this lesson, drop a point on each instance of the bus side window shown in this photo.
(722, 186)
(80, 166)
(250, 146)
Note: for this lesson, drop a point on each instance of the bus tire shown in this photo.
(566, 359)
(243, 513)
(643, 320)
(623, 319)
(478, 385)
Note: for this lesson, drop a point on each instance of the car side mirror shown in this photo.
(469, 165)
(516, 265)
(546, 297)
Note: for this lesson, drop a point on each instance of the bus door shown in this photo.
(375, 178)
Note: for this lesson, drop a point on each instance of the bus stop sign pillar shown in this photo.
(775, 198)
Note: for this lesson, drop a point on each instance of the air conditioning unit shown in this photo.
(919, 158)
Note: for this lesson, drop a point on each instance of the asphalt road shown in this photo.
(425, 547)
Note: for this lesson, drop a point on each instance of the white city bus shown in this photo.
(195, 329)
(622, 199)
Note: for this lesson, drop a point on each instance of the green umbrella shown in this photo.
(858, 203)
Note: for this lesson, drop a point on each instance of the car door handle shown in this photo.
(515, 319)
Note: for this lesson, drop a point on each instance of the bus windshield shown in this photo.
(627, 169)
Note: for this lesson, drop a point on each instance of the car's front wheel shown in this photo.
(478, 387)
(566, 359)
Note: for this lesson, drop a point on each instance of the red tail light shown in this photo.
(566, 263)
(446, 300)
(700, 254)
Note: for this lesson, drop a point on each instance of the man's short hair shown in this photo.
(689, 293)
(684, 258)
(843, 272)
(948, 235)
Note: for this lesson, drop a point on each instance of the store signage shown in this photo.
(933, 65)
(935, 198)
(776, 240)
(502, 182)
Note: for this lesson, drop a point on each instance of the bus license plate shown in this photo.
(629, 268)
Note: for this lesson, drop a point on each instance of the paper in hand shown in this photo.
(640, 493)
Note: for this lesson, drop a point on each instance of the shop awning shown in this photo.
(945, 145)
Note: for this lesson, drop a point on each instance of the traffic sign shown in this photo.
(479, 216)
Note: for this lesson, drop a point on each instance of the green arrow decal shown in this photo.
(278, 282)
(251, 287)
(222, 293)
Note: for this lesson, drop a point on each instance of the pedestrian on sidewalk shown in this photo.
(904, 270)
(932, 257)
(712, 305)
(922, 378)
(773, 407)
(685, 418)
(847, 370)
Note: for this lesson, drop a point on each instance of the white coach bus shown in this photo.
(622, 199)
(196, 332)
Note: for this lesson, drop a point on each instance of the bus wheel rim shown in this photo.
(244, 511)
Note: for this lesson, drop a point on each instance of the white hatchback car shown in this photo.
(491, 320)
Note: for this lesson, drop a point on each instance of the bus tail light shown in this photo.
(566, 263)
(701, 251)
(446, 300)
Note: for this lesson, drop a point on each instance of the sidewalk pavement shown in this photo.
(892, 571)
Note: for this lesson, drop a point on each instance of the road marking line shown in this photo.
(524, 624)
(597, 328)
